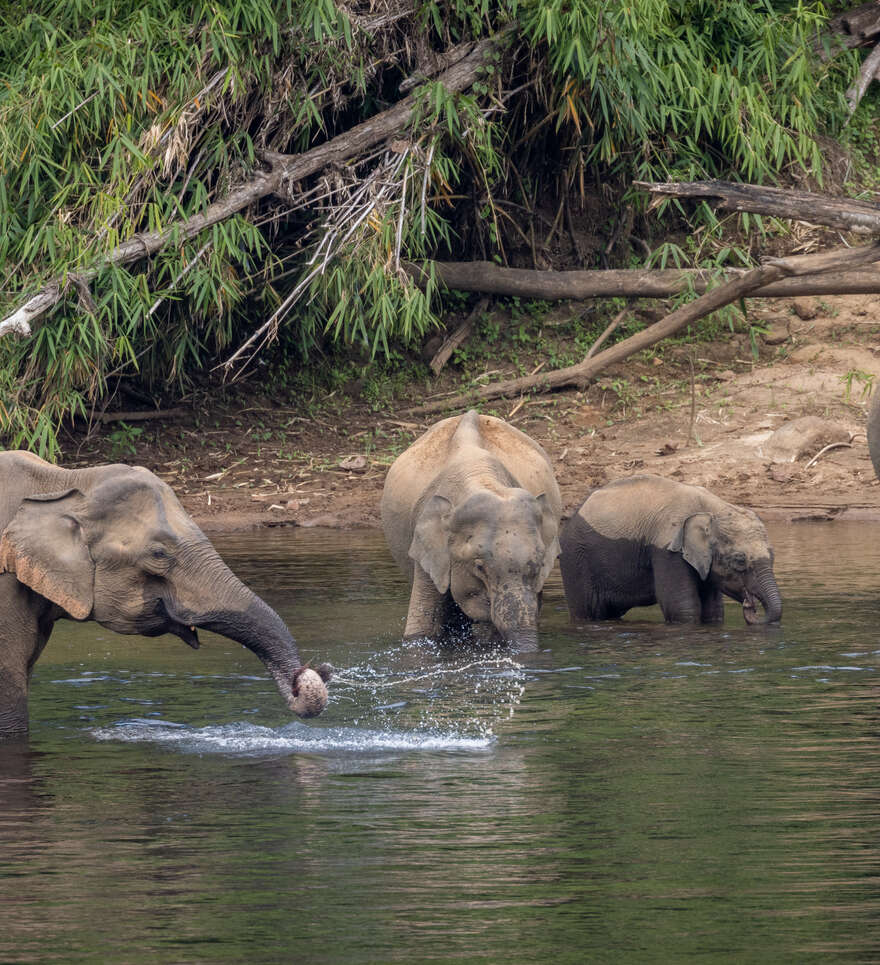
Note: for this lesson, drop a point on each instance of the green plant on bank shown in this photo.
(857, 377)
(123, 440)
(123, 117)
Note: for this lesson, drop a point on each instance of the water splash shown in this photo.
(412, 697)
(248, 740)
(429, 688)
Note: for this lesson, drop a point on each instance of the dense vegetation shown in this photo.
(121, 117)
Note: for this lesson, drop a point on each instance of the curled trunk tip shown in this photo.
(308, 696)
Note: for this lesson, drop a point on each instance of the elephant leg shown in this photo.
(676, 586)
(22, 637)
(712, 600)
(427, 607)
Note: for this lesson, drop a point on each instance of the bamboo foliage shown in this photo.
(119, 117)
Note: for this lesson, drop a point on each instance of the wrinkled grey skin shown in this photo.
(646, 540)
(874, 431)
(113, 544)
(471, 514)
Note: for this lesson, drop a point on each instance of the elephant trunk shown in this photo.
(763, 588)
(238, 613)
(515, 616)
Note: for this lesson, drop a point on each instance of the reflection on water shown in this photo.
(630, 792)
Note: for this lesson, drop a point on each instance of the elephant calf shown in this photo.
(471, 514)
(647, 539)
(113, 544)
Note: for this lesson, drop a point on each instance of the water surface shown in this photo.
(629, 792)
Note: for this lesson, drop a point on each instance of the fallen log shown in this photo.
(853, 28)
(283, 168)
(844, 214)
(585, 371)
(143, 415)
(492, 279)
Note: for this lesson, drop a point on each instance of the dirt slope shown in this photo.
(268, 464)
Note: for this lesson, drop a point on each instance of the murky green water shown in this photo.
(629, 793)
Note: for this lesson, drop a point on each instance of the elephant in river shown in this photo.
(114, 545)
(646, 539)
(874, 431)
(471, 514)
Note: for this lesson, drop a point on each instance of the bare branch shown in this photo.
(731, 291)
(492, 279)
(870, 70)
(844, 214)
(338, 150)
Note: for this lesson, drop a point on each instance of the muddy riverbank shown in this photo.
(268, 463)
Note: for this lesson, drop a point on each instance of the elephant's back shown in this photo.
(640, 506)
(21, 474)
(417, 467)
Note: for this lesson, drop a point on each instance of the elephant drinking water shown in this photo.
(114, 545)
(647, 539)
(471, 514)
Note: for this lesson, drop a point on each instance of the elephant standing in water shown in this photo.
(471, 514)
(647, 539)
(874, 431)
(113, 544)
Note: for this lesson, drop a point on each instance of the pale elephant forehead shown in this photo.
(494, 509)
(140, 497)
(746, 532)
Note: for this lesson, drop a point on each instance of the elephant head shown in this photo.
(492, 552)
(731, 549)
(123, 552)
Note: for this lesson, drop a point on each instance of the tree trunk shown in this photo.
(819, 209)
(492, 279)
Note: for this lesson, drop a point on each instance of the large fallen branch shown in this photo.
(852, 28)
(492, 279)
(283, 168)
(732, 291)
(844, 214)
(870, 70)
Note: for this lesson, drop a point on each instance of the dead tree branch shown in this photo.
(844, 214)
(732, 291)
(493, 279)
(454, 339)
(870, 70)
(852, 28)
(284, 168)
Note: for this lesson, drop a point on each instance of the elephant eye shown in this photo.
(157, 560)
(738, 561)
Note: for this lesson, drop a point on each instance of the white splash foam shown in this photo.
(250, 739)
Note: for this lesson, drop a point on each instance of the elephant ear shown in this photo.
(694, 542)
(550, 536)
(430, 542)
(45, 546)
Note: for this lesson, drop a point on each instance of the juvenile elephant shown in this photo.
(471, 514)
(646, 539)
(113, 544)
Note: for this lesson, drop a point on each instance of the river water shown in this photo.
(630, 792)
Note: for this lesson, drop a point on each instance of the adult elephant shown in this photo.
(471, 514)
(113, 544)
(646, 539)
(874, 431)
